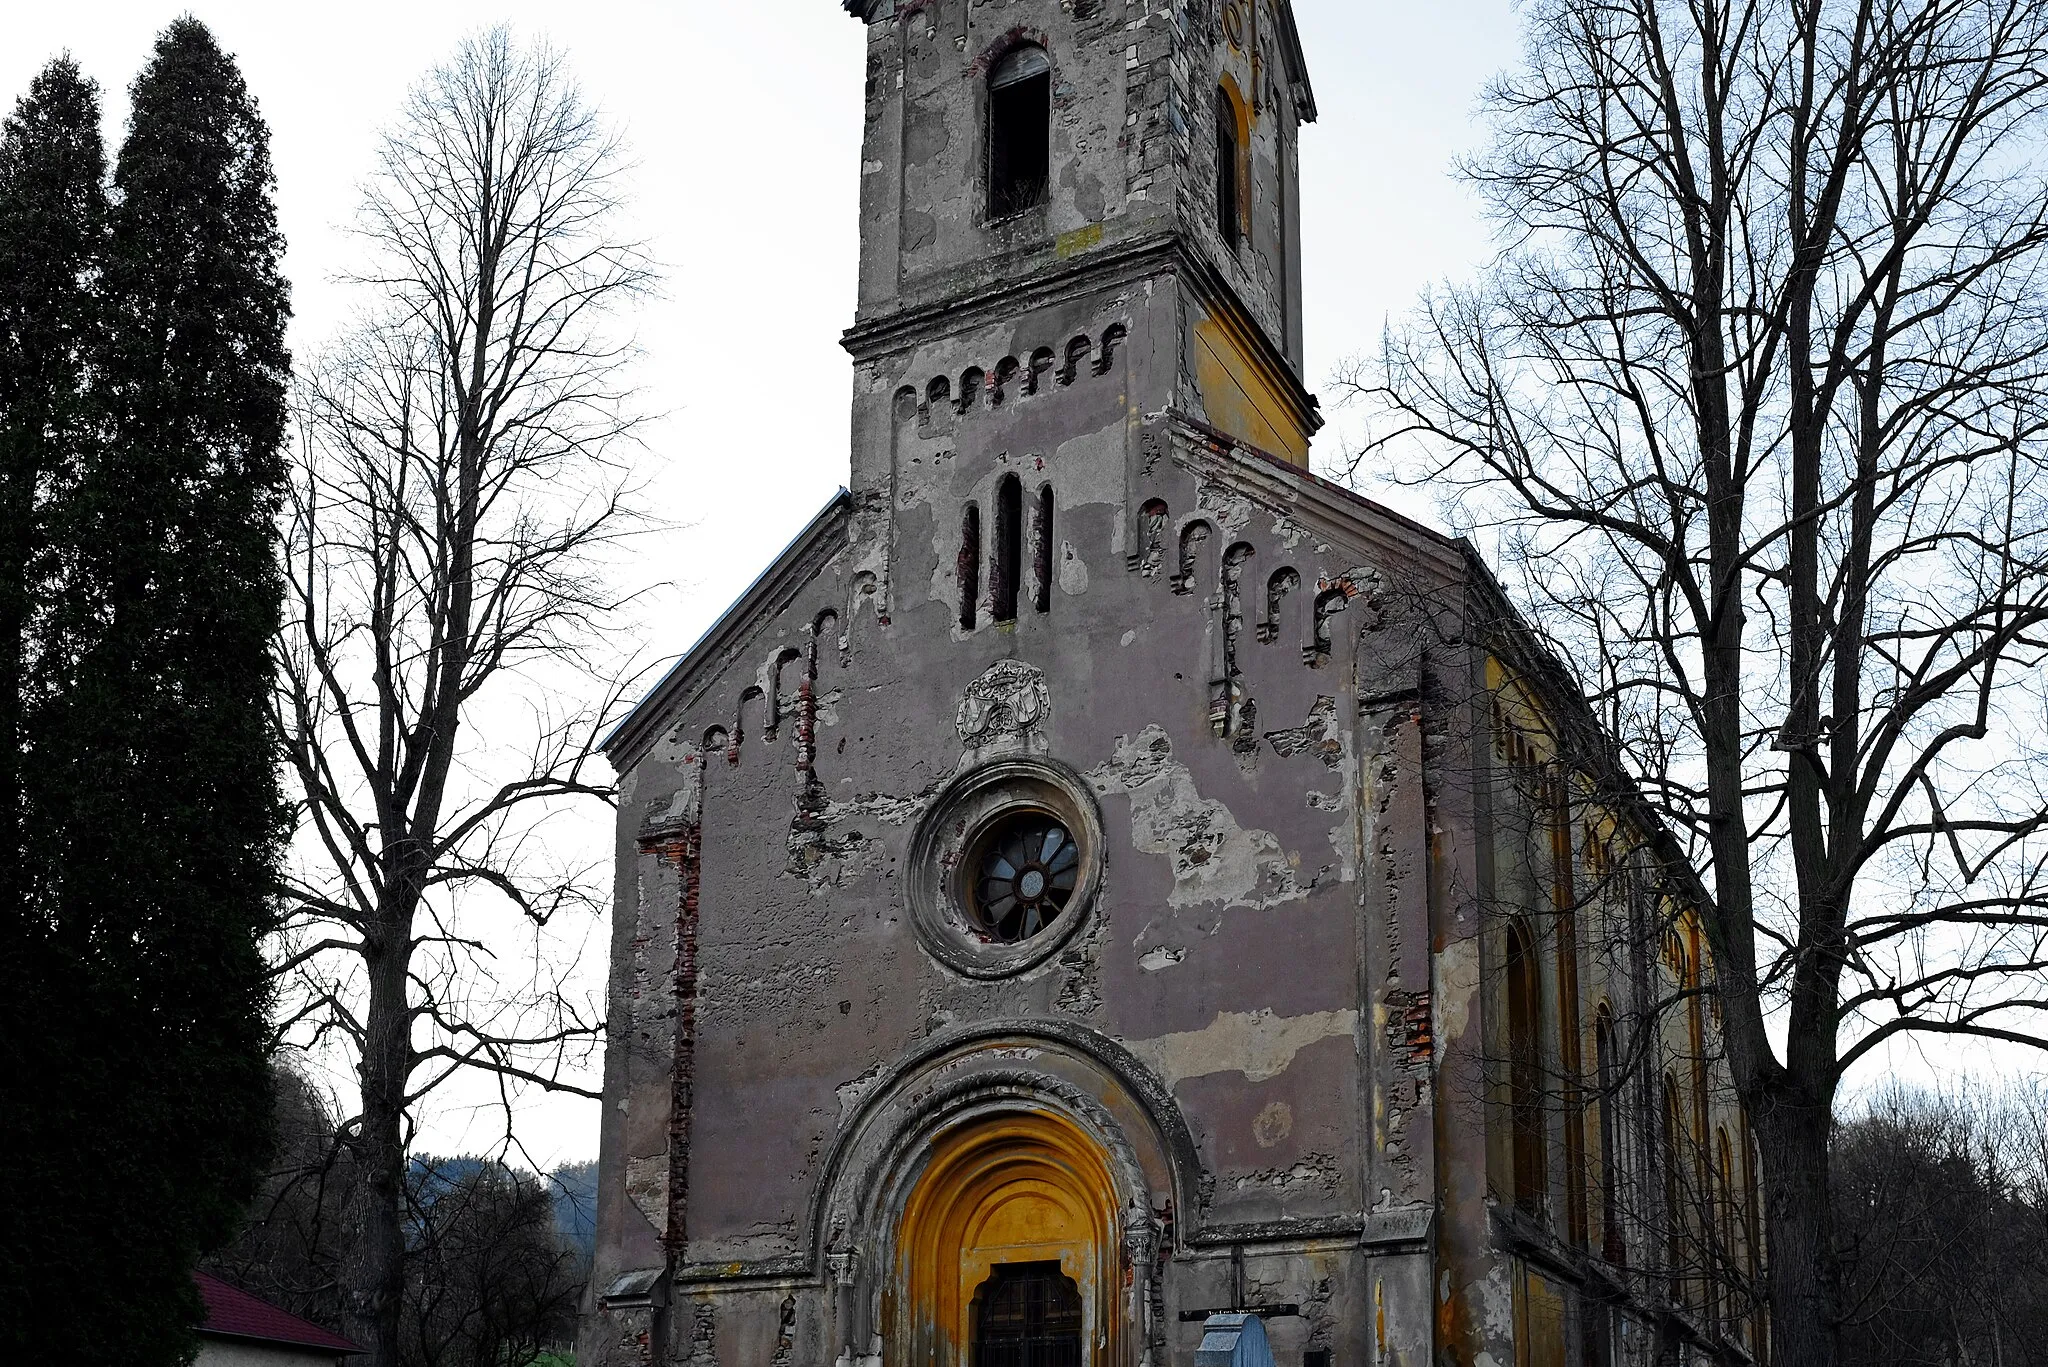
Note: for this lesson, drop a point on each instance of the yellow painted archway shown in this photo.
(1017, 1188)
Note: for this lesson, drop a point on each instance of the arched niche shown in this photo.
(1010, 1192)
(1055, 1081)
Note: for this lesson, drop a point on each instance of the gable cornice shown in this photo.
(773, 590)
(1297, 64)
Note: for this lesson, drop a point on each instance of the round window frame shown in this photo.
(965, 812)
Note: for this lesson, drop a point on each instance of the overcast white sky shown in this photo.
(744, 117)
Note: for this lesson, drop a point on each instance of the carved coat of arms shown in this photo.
(1008, 703)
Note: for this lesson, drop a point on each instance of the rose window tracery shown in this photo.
(1025, 873)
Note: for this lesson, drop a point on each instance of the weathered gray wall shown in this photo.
(1261, 941)
(1276, 1013)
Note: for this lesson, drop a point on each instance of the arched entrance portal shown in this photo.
(1008, 1254)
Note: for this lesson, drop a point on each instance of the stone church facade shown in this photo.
(1103, 876)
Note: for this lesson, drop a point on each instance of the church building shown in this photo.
(1107, 896)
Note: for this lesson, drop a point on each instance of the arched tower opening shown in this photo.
(1019, 130)
(1232, 135)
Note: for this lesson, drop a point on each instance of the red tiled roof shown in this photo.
(235, 1313)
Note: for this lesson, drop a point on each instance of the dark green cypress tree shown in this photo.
(164, 806)
(53, 223)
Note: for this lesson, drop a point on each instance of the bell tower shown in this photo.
(1059, 191)
(1076, 906)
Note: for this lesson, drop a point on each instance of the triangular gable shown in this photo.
(796, 566)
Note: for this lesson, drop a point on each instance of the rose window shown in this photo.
(1004, 866)
(1024, 875)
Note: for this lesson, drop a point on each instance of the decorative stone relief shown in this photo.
(1007, 709)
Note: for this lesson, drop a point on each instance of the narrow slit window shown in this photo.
(1229, 210)
(1009, 549)
(969, 568)
(1045, 553)
(1019, 131)
(1525, 1076)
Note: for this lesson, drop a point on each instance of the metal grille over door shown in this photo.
(1027, 1315)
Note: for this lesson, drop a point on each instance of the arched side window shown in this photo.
(1674, 1190)
(1608, 1075)
(1019, 130)
(1525, 1073)
(1229, 167)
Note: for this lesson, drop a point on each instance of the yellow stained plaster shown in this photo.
(1242, 401)
(1258, 1044)
(1077, 241)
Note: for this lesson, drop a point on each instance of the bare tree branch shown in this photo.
(461, 487)
(1755, 403)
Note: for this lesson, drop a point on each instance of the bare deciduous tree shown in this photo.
(489, 1281)
(457, 489)
(1757, 393)
(1942, 1220)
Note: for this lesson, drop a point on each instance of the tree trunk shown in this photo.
(373, 1271)
(1805, 1309)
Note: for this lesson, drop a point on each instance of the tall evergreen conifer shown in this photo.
(53, 223)
(164, 804)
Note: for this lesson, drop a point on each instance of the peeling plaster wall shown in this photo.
(1261, 942)
(1274, 1011)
